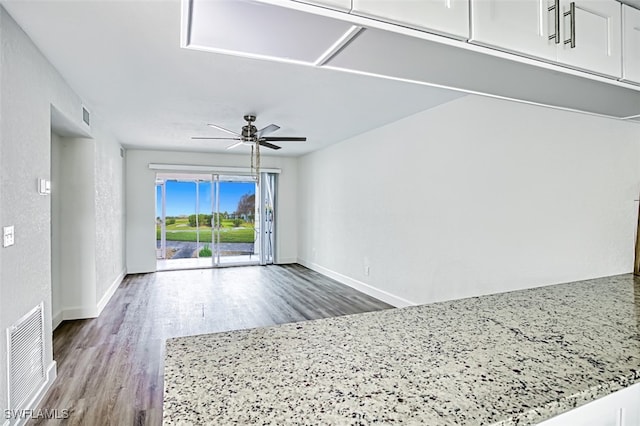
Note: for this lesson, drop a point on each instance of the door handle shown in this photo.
(572, 23)
(556, 9)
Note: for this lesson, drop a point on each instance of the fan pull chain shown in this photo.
(258, 163)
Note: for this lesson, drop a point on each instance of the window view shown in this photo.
(205, 220)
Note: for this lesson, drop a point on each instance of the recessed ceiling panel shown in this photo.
(417, 60)
(260, 30)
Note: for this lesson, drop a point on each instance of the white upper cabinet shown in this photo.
(631, 43)
(592, 36)
(450, 17)
(522, 26)
(584, 34)
(342, 5)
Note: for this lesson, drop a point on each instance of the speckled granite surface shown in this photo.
(505, 359)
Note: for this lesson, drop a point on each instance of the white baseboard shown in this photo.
(56, 320)
(112, 289)
(286, 260)
(79, 313)
(50, 377)
(385, 296)
(82, 312)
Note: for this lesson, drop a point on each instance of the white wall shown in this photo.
(56, 231)
(29, 85)
(3, 348)
(109, 216)
(87, 215)
(140, 200)
(30, 88)
(475, 196)
(73, 190)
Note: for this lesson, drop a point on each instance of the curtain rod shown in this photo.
(211, 169)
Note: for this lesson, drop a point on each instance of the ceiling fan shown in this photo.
(250, 135)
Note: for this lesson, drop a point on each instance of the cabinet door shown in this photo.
(620, 408)
(631, 44)
(597, 36)
(449, 17)
(342, 5)
(522, 26)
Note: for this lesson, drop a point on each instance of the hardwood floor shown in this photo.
(110, 369)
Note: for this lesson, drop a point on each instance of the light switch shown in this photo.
(44, 187)
(8, 232)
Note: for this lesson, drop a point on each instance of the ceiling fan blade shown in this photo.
(225, 139)
(235, 144)
(224, 130)
(283, 139)
(267, 130)
(268, 145)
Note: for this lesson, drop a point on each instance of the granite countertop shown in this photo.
(504, 359)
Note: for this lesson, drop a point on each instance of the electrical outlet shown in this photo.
(8, 233)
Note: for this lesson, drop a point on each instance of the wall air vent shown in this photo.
(25, 341)
(86, 116)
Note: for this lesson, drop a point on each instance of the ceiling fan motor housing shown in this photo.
(249, 131)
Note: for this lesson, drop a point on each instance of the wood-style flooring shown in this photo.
(110, 369)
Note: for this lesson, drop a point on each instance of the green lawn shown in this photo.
(181, 231)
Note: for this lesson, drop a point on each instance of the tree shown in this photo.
(247, 206)
(203, 220)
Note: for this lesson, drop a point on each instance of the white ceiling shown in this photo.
(124, 60)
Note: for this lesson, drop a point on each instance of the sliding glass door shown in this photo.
(214, 220)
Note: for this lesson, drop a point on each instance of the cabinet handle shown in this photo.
(572, 16)
(556, 9)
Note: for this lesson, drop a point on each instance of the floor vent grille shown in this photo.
(26, 357)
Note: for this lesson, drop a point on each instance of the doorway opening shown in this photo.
(213, 220)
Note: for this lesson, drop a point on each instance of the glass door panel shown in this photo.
(161, 242)
(267, 219)
(204, 249)
(183, 222)
(235, 233)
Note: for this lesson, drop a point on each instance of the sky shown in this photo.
(181, 197)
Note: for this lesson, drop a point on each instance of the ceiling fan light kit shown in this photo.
(250, 135)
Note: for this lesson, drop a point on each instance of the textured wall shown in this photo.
(56, 234)
(30, 89)
(473, 197)
(29, 86)
(109, 211)
(140, 201)
(3, 347)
